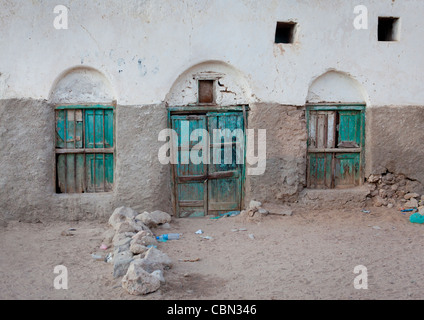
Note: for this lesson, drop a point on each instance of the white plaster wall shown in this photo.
(336, 87)
(143, 46)
(82, 84)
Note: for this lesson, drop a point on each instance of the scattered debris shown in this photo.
(189, 260)
(199, 231)
(207, 237)
(376, 227)
(104, 246)
(365, 211)
(109, 257)
(406, 210)
(238, 229)
(252, 236)
(66, 233)
(96, 256)
(168, 236)
(227, 214)
(416, 218)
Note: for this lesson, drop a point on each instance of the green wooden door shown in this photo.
(208, 187)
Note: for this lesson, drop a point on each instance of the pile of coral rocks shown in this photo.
(395, 190)
(135, 256)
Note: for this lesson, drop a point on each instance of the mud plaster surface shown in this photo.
(309, 255)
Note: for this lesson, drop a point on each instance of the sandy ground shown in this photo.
(309, 255)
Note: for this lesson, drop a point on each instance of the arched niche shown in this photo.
(230, 85)
(82, 85)
(336, 87)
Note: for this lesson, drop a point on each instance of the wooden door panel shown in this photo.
(189, 177)
(224, 184)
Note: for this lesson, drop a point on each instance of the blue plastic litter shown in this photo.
(416, 218)
(227, 214)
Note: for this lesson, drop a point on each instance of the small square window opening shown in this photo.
(388, 29)
(284, 32)
(206, 88)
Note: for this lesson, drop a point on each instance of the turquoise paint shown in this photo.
(84, 128)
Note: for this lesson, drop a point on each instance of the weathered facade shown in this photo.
(140, 59)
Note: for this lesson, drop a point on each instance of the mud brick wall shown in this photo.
(286, 135)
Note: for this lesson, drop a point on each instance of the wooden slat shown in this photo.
(191, 203)
(223, 174)
(85, 150)
(192, 178)
(336, 150)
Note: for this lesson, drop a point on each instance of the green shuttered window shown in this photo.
(335, 145)
(84, 148)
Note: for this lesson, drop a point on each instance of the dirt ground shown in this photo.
(309, 255)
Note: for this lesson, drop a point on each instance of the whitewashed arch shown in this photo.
(336, 87)
(231, 89)
(82, 85)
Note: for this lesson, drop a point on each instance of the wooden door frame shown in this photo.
(353, 106)
(196, 109)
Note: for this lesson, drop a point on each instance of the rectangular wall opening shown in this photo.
(206, 89)
(284, 32)
(388, 29)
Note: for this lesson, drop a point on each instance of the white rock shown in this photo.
(153, 219)
(374, 178)
(123, 244)
(144, 238)
(263, 211)
(122, 214)
(379, 201)
(124, 226)
(108, 236)
(121, 263)
(137, 281)
(159, 274)
(411, 195)
(155, 260)
(411, 203)
(254, 204)
(137, 248)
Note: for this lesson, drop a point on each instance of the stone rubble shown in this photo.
(397, 191)
(135, 256)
